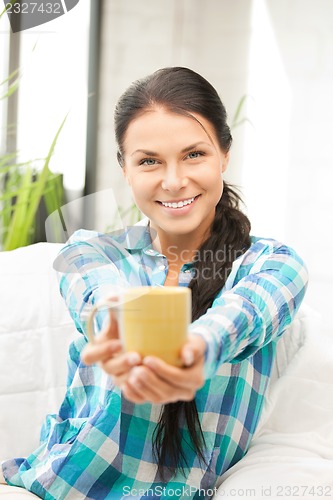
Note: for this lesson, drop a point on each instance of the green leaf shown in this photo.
(54, 199)
(243, 120)
(236, 120)
(26, 189)
(238, 110)
(7, 6)
(10, 77)
(42, 179)
(16, 230)
(5, 159)
(7, 168)
(11, 90)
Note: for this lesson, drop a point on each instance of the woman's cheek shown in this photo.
(141, 193)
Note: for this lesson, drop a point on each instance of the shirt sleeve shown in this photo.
(258, 307)
(86, 276)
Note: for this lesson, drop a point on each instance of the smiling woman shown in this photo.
(137, 424)
(177, 187)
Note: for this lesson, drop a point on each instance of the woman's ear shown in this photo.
(225, 161)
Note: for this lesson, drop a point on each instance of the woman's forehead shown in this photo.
(161, 126)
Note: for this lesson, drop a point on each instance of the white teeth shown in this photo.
(180, 204)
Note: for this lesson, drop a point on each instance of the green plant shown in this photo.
(12, 85)
(236, 120)
(8, 4)
(24, 188)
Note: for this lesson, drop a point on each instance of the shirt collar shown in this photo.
(136, 238)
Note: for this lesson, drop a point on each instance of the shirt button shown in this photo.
(162, 267)
(150, 251)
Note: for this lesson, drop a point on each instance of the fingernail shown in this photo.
(188, 357)
(149, 362)
(134, 378)
(133, 358)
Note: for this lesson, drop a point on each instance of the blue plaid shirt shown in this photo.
(99, 445)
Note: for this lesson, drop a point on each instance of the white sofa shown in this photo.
(292, 450)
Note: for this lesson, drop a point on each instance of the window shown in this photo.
(53, 82)
(4, 54)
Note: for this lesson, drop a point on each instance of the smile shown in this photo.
(179, 204)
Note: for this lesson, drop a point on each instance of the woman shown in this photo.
(140, 427)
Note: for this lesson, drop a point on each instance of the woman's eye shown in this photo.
(195, 154)
(148, 161)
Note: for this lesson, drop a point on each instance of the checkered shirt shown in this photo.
(99, 445)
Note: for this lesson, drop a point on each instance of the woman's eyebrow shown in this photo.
(185, 150)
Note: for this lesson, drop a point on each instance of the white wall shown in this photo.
(280, 52)
(304, 33)
(140, 37)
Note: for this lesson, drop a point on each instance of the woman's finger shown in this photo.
(93, 353)
(193, 349)
(105, 345)
(150, 388)
(186, 378)
(111, 331)
(131, 394)
(121, 363)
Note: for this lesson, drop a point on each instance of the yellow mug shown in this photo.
(152, 320)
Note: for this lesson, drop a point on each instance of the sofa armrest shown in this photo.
(35, 332)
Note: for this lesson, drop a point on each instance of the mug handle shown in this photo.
(90, 323)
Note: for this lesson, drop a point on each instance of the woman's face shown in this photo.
(174, 169)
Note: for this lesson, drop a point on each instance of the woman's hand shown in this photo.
(108, 352)
(158, 382)
(149, 379)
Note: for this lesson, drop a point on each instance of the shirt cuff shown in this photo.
(210, 353)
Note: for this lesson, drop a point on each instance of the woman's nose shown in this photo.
(174, 179)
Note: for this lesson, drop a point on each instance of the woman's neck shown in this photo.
(178, 249)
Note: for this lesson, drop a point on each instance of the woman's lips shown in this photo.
(180, 210)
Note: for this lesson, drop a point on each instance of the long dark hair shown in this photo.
(183, 91)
